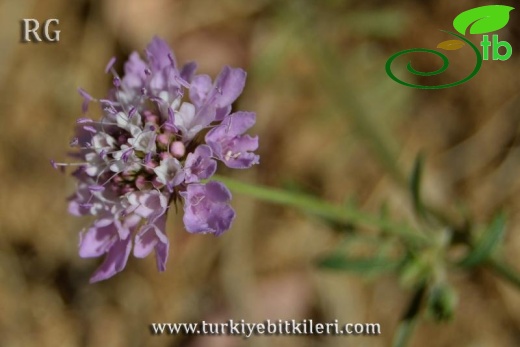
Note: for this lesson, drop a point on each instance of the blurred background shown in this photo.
(331, 123)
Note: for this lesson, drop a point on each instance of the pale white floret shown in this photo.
(165, 96)
(145, 204)
(119, 164)
(184, 119)
(103, 142)
(95, 164)
(169, 170)
(144, 141)
(132, 124)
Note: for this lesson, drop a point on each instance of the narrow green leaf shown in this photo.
(484, 19)
(324, 209)
(359, 265)
(415, 184)
(505, 270)
(487, 242)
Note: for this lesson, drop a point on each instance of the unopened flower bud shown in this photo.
(177, 149)
(142, 183)
(163, 139)
(156, 183)
(151, 118)
(442, 301)
(150, 166)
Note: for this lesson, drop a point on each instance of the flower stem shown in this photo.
(408, 323)
(316, 206)
(404, 333)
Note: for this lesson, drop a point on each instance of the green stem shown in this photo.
(504, 270)
(410, 320)
(404, 333)
(344, 214)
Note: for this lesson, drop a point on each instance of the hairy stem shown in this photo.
(316, 206)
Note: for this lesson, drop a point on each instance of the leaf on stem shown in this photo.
(487, 242)
(415, 185)
(359, 265)
(442, 301)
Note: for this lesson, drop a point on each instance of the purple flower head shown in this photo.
(148, 151)
(207, 209)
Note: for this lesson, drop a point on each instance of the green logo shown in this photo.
(479, 20)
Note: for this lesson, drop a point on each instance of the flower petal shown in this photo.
(207, 209)
(199, 165)
(200, 87)
(229, 85)
(97, 240)
(114, 262)
(188, 71)
(228, 143)
(134, 72)
(159, 54)
(153, 236)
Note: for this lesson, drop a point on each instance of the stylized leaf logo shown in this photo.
(485, 19)
(451, 45)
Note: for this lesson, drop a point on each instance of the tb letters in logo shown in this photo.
(479, 20)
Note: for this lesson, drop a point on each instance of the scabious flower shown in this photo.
(162, 130)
